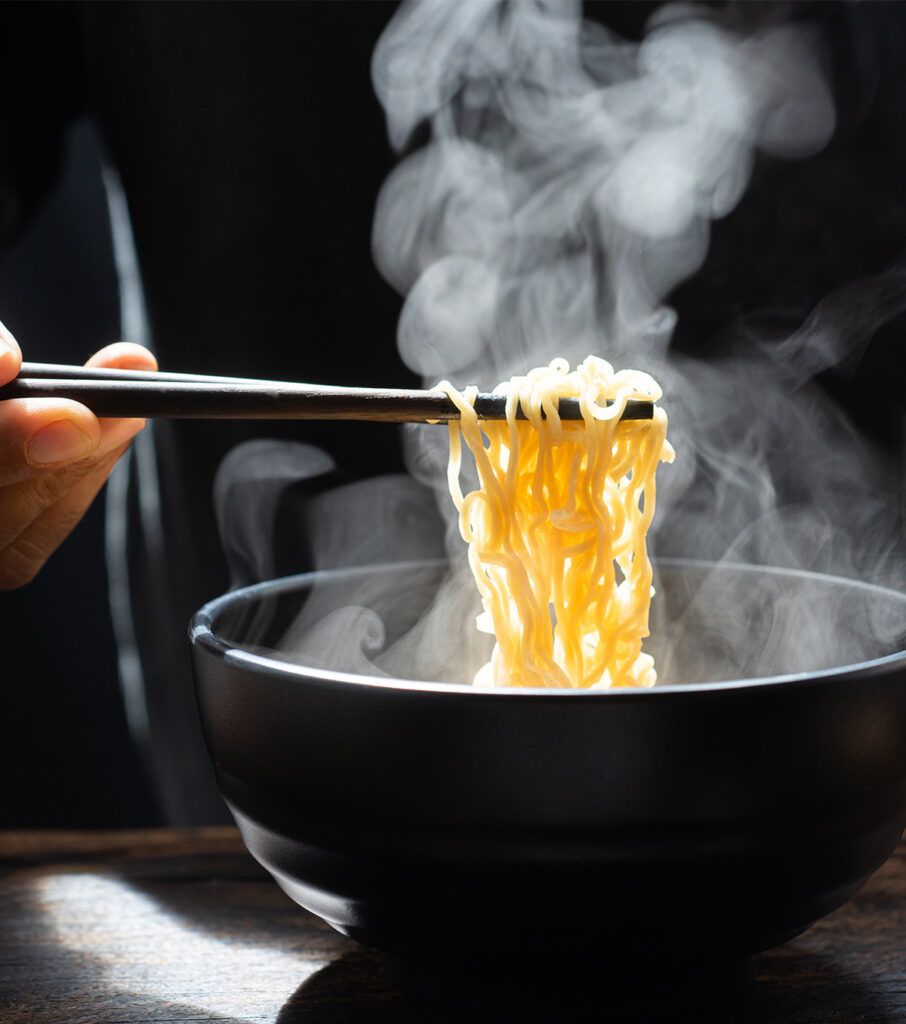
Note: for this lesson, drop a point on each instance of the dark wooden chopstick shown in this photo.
(63, 371)
(147, 393)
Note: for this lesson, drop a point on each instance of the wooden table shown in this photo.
(160, 927)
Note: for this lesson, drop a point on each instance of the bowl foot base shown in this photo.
(551, 990)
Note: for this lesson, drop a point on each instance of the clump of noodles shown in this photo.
(556, 529)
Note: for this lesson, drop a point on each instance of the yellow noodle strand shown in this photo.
(556, 530)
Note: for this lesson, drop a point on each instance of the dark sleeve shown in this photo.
(42, 91)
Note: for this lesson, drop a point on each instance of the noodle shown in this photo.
(556, 529)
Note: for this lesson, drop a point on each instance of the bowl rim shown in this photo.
(202, 635)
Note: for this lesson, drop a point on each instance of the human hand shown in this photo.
(54, 458)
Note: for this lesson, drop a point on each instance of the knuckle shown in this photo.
(20, 562)
(21, 504)
(29, 531)
(37, 494)
(48, 488)
(64, 520)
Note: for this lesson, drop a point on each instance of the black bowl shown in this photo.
(486, 839)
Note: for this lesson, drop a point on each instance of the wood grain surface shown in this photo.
(166, 927)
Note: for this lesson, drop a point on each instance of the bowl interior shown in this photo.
(710, 623)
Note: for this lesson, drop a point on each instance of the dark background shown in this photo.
(66, 753)
(242, 103)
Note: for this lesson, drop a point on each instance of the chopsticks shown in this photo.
(146, 393)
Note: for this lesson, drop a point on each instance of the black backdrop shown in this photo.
(65, 752)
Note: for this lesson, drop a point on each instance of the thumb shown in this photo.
(10, 355)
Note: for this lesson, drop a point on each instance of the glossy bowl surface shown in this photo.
(472, 833)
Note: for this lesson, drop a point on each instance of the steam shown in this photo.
(565, 186)
(252, 481)
(568, 186)
(570, 176)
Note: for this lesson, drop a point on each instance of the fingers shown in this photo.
(46, 516)
(55, 455)
(37, 434)
(10, 356)
(124, 355)
(22, 503)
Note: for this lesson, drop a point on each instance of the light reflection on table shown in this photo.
(143, 949)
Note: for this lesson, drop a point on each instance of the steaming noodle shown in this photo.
(557, 527)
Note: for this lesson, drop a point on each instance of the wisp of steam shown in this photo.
(559, 182)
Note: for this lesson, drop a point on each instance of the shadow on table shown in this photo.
(793, 988)
(355, 989)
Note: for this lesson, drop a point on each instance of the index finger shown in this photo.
(124, 355)
(10, 355)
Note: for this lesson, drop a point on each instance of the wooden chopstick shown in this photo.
(148, 393)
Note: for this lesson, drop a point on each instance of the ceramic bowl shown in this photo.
(486, 840)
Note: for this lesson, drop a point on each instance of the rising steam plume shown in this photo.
(558, 183)
(568, 185)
